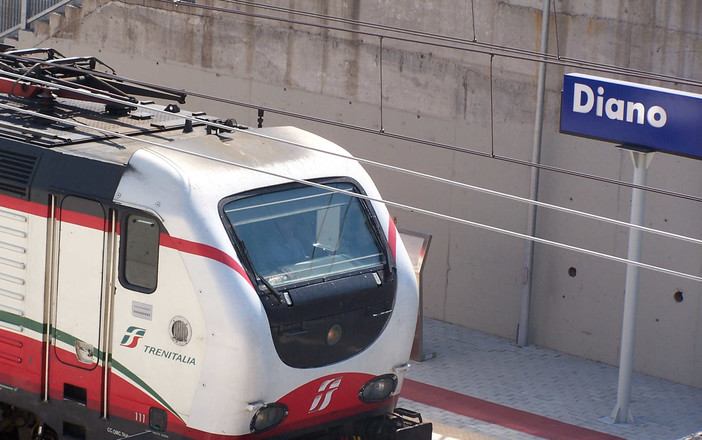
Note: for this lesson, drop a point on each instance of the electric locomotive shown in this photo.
(165, 274)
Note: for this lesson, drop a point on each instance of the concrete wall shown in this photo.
(473, 277)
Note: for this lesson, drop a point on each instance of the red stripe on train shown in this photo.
(392, 237)
(203, 250)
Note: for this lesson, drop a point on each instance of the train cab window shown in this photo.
(304, 233)
(140, 243)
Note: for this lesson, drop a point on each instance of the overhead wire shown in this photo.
(555, 25)
(492, 112)
(390, 135)
(394, 204)
(533, 56)
(474, 46)
(369, 162)
(398, 205)
(472, 15)
(434, 40)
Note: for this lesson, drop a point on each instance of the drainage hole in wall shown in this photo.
(678, 296)
(572, 272)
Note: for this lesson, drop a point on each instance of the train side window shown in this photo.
(140, 244)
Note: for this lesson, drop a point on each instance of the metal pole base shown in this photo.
(618, 416)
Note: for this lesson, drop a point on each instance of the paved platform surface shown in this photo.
(484, 387)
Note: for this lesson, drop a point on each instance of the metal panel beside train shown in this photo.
(164, 274)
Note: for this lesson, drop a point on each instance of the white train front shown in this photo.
(177, 281)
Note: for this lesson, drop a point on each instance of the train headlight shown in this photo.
(334, 334)
(378, 388)
(268, 417)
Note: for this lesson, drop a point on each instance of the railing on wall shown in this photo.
(18, 14)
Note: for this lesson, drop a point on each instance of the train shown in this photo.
(166, 274)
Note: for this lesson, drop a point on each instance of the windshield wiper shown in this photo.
(271, 291)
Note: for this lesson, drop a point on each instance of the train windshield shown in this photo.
(304, 233)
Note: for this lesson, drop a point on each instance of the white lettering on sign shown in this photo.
(584, 100)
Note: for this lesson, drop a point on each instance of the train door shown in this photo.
(81, 267)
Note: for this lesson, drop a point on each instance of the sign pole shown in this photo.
(528, 269)
(622, 412)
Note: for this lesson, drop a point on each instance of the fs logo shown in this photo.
(132, 336)
(326, 389)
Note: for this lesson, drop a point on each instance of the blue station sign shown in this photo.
(634, 114)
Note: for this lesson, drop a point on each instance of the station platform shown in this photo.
(483, 387)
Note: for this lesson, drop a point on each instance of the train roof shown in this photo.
(85, 128)
(65, 108)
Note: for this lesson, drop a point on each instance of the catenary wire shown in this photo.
(387, 202)
(384, 133)
(443, 41)
(555, 30)
(377, 164)
(369, 198)
(472, 15)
